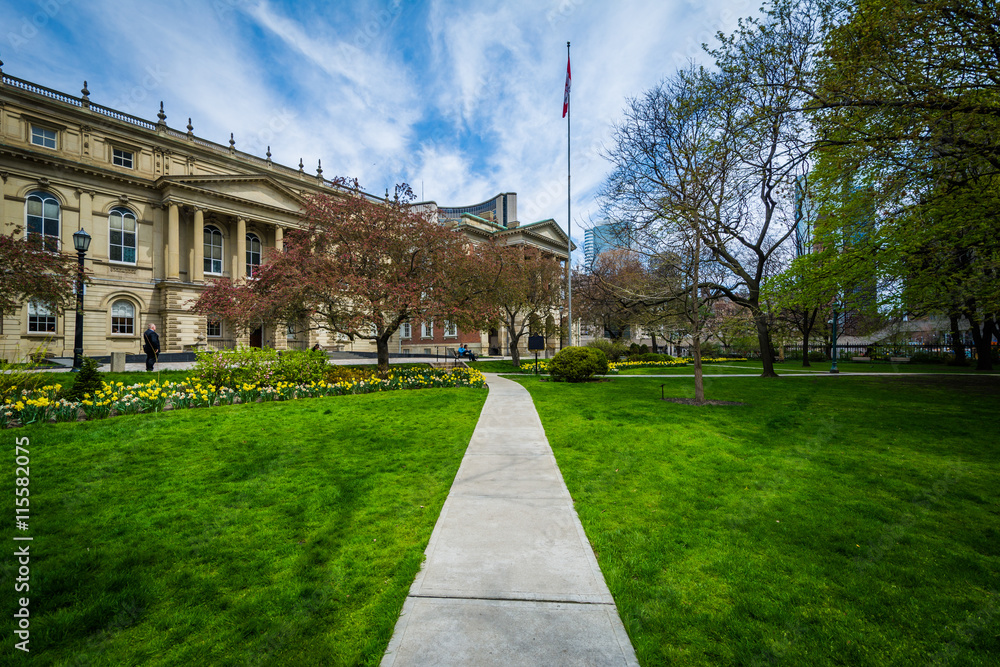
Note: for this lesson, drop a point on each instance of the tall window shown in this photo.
(450, 329)
(405, 330)
(42, 136)
(122, 317)
(121, 240)
(40, 318)
(215, 328)
(213, 250)
(427, 330)
(253, 254)
(42, 212)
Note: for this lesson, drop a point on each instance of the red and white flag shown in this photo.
(566, 95)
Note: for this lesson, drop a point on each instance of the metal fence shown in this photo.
(879, 351)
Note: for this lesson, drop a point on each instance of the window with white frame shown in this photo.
(253, 254)
(42, 219)
(450, 329)
(122, 317)
(40, 318)
(43, 136)
(214, 328)
(427, 329)
(405, 330)
(121, 235)
(213, 250)
(122, 158)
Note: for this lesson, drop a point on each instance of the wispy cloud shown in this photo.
(465, 98)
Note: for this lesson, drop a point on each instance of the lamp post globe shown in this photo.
(81, 242)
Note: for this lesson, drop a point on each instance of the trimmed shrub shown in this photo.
(302, 366)
(88, 381)
(612, 351)
(577, 364)
(816, 355)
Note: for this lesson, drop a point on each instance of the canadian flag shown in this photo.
(566, 95)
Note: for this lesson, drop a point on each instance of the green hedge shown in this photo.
(577, 364)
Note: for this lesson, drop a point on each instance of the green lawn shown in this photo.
(846, 521)
(277, 533)
(796, 368)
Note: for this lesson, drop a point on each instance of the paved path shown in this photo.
(510, 578)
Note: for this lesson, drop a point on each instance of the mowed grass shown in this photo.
(796, 368)
(274, 534)
(828, 521)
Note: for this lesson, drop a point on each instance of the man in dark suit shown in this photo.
(151, 346)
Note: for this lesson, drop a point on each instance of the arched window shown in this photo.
(42, 212)
(121, 236)
(253, 254)
(122, 317)
(40, 318)
(213, 250)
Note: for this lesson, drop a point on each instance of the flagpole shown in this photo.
(569, 217)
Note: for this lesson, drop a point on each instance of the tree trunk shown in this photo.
(982, 339)
(957, 344)
(382, 345)
(652, 338)
(806, 329)
(764, 339)
(515, 354)
(699, 381)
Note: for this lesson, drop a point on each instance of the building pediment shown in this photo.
(250, 190)
(545, 232)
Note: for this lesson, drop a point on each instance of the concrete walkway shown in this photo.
(510, 578)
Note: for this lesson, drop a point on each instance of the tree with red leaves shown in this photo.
(516, 287)
(28, 273)
(360, 267)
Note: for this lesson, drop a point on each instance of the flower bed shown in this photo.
(615, 366)
(44, 404)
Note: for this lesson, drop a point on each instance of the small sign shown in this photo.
(536, 343)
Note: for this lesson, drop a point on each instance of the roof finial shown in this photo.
(190, 128)
(319, 170)
(86, 96)
(1, 71)
(269, 155)
(302, 169)
(232, 143)
(162, 116)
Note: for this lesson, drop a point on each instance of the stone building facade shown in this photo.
(169, 212)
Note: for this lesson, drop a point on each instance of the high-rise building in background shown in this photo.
(601, 238)
(805, 217)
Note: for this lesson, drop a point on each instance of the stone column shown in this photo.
(198, 239)
(173, 242)
(279, 237)
(3, 202)
(240, 267)
(159, 245)
(86, 217)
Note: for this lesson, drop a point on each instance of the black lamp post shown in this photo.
(836, 315)
(81, 241)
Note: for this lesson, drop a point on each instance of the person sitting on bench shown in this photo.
(466, 352)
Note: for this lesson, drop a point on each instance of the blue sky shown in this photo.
(462, 100)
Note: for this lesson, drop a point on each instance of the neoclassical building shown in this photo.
(168, 212)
